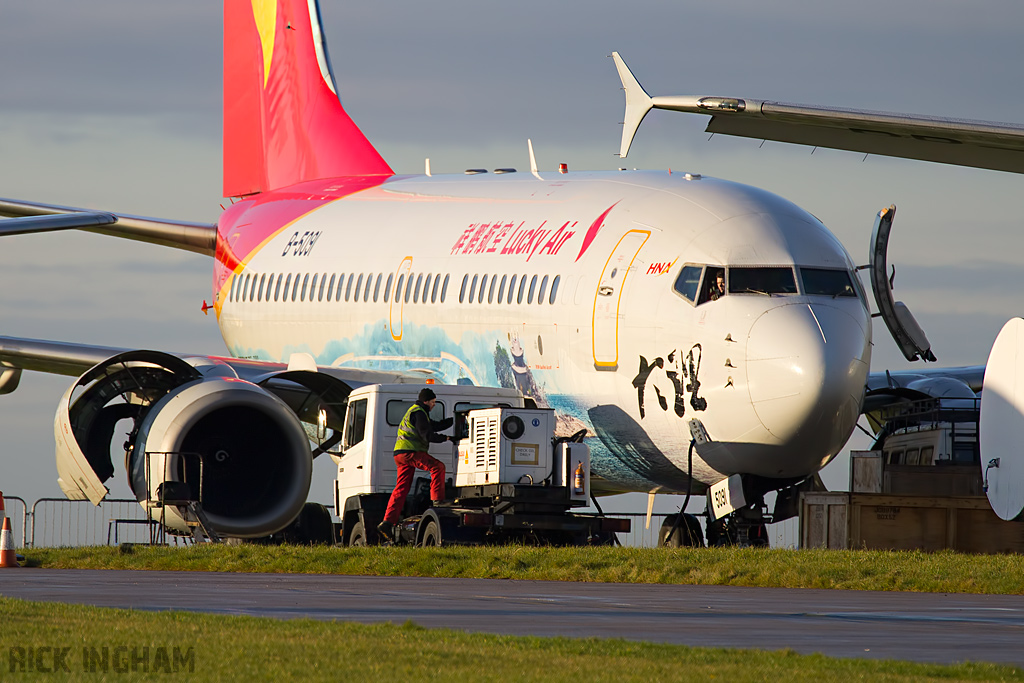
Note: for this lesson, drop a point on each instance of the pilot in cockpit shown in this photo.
(717, 289)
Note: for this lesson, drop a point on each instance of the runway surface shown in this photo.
(926, 627)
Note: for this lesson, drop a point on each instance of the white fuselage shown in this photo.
(776, 379)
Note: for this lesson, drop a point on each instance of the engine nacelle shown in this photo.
(241, 451)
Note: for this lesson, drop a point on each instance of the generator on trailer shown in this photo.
(508, 478)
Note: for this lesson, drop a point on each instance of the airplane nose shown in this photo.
(806, 368)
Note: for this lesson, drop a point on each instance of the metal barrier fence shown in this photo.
(58, 522)
(18, 514)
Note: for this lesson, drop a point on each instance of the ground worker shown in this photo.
(415, 434)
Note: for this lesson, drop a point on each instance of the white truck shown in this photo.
(507, 477)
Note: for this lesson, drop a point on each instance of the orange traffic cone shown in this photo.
(7, 556)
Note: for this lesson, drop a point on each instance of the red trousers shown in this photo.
(407, 463)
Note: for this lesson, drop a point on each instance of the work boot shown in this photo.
(439, 503)
(387, 530)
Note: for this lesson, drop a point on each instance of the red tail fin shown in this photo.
(283, 121)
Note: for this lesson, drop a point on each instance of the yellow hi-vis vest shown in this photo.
(408, 438)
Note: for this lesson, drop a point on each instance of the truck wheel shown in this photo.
(357, 536)
(431, 535)
(687, 535)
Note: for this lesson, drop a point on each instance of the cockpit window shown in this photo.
(827, 282)
(761, 281)
(688, 282)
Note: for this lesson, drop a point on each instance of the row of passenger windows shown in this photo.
(719, 281)
(354, 287)
(481, 286)
(414, 287)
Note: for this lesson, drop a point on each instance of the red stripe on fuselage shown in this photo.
(248, 224)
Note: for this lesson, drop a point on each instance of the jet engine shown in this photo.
(237, 448)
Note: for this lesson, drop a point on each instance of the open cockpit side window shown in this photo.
(714, 285)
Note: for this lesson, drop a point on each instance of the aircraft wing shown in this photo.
(962, 142)
(63, 358)
(29, 217)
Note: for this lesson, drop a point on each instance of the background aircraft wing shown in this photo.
(963, 142)
(885, 388)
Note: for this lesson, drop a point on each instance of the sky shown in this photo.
(116, 105)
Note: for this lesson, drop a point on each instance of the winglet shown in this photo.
(638, 103)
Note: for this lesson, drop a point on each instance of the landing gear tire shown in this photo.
(687, 535)
(431, 535)
(357, 537)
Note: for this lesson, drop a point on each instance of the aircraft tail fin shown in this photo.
(638, 103)
(283, 121)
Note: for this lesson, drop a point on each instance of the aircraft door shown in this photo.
(608, 298)
(397, 307)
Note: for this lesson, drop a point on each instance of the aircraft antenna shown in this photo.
(427, 167)
(533, 159)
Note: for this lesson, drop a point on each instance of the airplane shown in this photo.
(962, 142)
(596, 294)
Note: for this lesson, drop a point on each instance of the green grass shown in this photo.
(942, 572)
(229, 648)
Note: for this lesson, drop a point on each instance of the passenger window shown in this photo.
(426, 287)
(827, 282)
(483, 288)
(387, 288)
(501, 288)
(245, 288)
(330, 287)
(277, 289)
(533, 286)
(462, 292)
(511, 289)
(398, 288)
(543, 288)
(355, 422)
(252, 292)
(416, 291)
(444, 289)
(928, 455)
(397, 409)
(763, 281)
(259, 292)
(312, 286)
(554, 289)
(408, 288)
(341, 286)
(688, 282)
(376, 288)
(522, 289)
(490, 292)
(305, 281)
(359, 286)
(348, 287)
(472, 288)
(913, 456)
